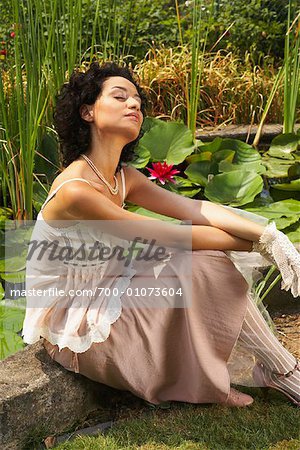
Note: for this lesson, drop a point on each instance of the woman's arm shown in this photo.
(145, 193)
(82, 202)
(211, 238)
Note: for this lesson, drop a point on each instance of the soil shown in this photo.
(288, 328)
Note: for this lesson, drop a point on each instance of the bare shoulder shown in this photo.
(85, 203)
(68, 195)
(134, 178)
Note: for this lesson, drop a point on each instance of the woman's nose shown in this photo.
(133, 103)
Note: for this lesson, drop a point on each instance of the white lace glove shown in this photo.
(278, 249)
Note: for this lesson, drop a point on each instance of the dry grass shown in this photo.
(232, 91)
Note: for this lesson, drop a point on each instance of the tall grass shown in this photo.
(50, 42)
(197, 46)
(291, 71)
(226, 81)
(24, 99)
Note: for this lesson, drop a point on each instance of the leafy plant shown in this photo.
(258, 27)
(228, 169)
(164, 141)
(291, 72)
(285, 214)
(11, 320)
(282, 161)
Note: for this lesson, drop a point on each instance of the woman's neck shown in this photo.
(105, 156)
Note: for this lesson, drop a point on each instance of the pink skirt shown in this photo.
(172, 354)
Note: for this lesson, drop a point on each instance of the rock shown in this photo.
(38, 398)
(279, 300)
(241, 132)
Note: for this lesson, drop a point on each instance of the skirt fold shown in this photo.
(172, 353)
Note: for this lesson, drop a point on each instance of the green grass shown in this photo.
(265, 425)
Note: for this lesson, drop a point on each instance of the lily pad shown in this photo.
(14, 264)
(294, 236)
(276, 168)
(284, 222)
(284, 145)
(288, 208)
(294, 185)
(167, 141)
(223, 155)
(11, 321)
(184, 187)
(234, 188)
(198, 172)
(142, 158)
(203, 156)
(256, 166)
(147, 213)
(231, 144)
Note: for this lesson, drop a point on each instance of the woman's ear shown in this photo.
(86, 113)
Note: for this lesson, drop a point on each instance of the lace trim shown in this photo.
(276, 246)
(97, 332)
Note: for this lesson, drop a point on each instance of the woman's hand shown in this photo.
(276, 246)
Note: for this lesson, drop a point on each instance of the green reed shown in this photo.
(52, 38)
(197, 45)
(291, 71)
(290, 74)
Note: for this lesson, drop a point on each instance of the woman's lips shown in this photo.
(132, 117)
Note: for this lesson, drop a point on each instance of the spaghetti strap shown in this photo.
(123, 186)
(58, 187)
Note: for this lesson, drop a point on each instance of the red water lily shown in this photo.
(163, 172)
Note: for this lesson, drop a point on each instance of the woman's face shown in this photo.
(117, 110)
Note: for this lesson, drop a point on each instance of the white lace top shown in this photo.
(73, 320)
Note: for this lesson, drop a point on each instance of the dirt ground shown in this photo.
(288, 328)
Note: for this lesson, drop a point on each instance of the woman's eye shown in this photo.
(120, 98)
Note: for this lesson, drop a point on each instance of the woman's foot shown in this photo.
(287, 383)
(238, 399)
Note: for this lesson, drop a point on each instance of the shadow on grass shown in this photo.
(265, 425)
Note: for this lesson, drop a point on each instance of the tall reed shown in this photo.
(24, 98)
(197, 47)
(291, 71)
(51, 40)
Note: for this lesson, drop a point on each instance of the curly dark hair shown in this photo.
(84, 88)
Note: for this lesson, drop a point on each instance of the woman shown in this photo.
(158, 353)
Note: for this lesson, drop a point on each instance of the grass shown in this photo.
(271, 425)
(226, 81)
